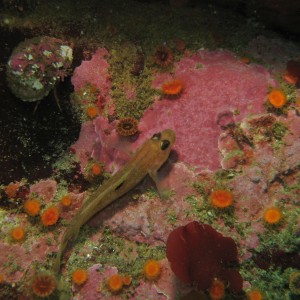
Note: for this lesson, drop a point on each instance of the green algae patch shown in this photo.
(131, 81)
(272, 282)
(172, 216)
(279, 130)
(284, 236)
(111, 250)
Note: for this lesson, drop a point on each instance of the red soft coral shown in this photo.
(198, 254)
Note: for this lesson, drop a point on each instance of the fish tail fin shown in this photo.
(69, 236)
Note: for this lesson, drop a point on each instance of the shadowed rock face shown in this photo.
(278, 14)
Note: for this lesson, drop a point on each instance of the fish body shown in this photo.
(146, 161)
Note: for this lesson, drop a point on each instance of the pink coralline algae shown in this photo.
(83, 147)
(22, 256)
(265, 169)
(162, 289)
(198, 254)
(145, 221)
(95, 287)
(45, 189)
(215, 83)
(95, 72)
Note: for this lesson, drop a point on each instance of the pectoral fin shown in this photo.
(163, 191)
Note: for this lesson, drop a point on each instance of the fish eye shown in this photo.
(156, 136)
(164, 144)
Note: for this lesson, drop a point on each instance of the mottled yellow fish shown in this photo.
(146, 161)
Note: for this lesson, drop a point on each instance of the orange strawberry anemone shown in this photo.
(127, 126)
(115, 283)
(163, 56)
(172, 88)
(255, 295)
(43, 284)
(92, 111)
(50, 216)
(32, 207)
(96, 169)
(221, 198)
(272, 215)
(18, 233)
(245, 60)
(152, 269)
(80, 276)
(11, 189)
(277, 98)
(290, 78)
(66, 200)
(127, 280)
(217, 290)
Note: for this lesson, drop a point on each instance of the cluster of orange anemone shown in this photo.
(49, 216)
(32, 208)
(224, 198)
(151, 270)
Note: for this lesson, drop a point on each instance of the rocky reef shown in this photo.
(221, 220)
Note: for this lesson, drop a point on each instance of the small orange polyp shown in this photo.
(92, 112)
(11, 189)
(115, 283)
(18, 233)
(127, 280)
(96, 169)
(152, 269)
(66, 200)
(79, 276)
(221, 198)
(217, 290)
(32, 207)
(255, 295)
(277, 98)
(43, 284)
(272, 215)
(290, 78)
(172, 88)
(50, 216)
